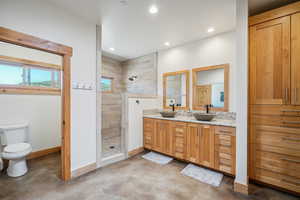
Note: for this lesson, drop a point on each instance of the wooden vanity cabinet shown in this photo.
(206, 145)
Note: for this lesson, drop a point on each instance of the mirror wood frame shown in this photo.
(25, 40)
(226, 86)
(165, 75)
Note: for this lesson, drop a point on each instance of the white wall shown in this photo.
(242, 89)
(43, 20)
(219, 49)
(45, 120)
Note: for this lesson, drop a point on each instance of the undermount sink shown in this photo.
(204, 116)
(168, 114)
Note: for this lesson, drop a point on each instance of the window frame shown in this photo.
(112, 84)
(26, 88)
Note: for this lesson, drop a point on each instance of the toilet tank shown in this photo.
(13, 133)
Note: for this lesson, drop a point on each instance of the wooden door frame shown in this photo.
(25, 40)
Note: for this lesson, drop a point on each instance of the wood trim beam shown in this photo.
(135, 151)
(28, 90)
(240, 188)
(275, 13)
(30, 62)
(44, 152)
(84, 170)
(21, 39)
(66, 117)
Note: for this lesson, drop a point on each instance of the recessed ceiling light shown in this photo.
(153, 9)
(167, 44)
(210, 30)
(112, 49)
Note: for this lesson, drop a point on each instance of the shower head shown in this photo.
(132, 78)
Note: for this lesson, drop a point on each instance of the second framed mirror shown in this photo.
(176, 90)
(210, 88)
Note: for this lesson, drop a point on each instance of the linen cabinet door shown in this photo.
(193, 143)
(179, 132)
(207, 146)
(270, 62)
(295, 58)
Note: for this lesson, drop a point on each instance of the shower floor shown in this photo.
(111, 146)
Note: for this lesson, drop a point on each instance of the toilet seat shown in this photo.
(16, 151)
(18, 147)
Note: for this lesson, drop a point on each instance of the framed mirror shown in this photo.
(210, 87)
(176, 90)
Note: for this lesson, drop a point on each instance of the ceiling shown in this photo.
(132, 31)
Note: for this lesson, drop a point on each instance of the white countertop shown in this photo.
(218, 122)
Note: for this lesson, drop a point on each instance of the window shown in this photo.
(20, 76)
(106, 84)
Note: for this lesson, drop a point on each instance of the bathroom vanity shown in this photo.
(209, 144)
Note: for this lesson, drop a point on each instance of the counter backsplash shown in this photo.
(219, 115)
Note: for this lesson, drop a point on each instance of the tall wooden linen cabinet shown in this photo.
(274, 97)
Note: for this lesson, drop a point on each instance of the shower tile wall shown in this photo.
(112, 107)
(145, 68)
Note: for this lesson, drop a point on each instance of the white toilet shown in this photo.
(14, 140)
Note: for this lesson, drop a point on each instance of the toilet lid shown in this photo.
(13, 148)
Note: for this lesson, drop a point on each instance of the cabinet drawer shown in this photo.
(276, 179)
(278, 163)
(281, 121)
(275, 110)
(222, 130)
(148, 124)
(274, 149)
(277, 136)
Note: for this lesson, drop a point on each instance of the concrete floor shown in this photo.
(132, 179)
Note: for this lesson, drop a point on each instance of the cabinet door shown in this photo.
(295, 58)
(179, 132)
(207, 145)
(167, 138)
(162, 137)
(270, 62)
(193, 142)
(159, 133)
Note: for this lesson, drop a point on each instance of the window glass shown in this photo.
(106, 84)
(11, 74)
(21, 75)
(40, 78)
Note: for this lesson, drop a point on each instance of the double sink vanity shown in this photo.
(209, 143)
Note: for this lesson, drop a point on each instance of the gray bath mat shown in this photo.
(157, 158)
(204, 175)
